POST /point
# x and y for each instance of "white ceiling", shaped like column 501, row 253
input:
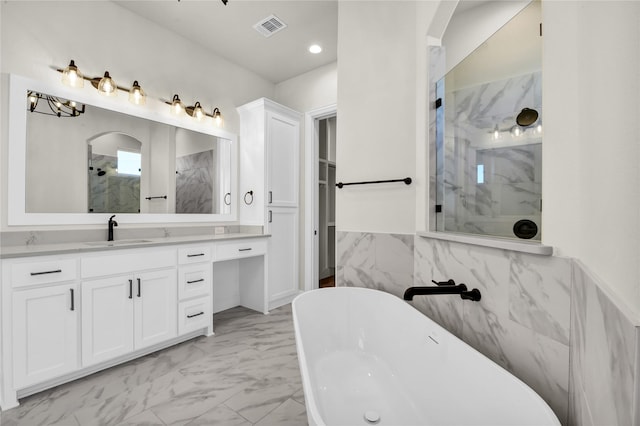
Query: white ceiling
column 228, row 31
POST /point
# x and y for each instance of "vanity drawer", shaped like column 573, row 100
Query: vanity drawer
column 194, row 281
column 43, row 272
column 194, row 254
column 194, row 315
column 240, row 249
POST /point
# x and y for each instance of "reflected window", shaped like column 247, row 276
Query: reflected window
column 129, row 163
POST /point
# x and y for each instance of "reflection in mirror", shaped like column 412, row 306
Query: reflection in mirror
column 489, row 138
column 201, row 171
column 114, row 173
column 135, row 165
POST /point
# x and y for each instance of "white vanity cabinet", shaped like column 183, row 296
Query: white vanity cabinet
column 45, row 319
column 132, row 310
column 269, row 164
column 194, row 289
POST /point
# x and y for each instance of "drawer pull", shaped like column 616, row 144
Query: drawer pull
column 73, row 302
column 245, row 249
column 130, row 289
column 195, row 255
column 195, row 281
column 139, row 288
column 57, row 271
column 195, row 315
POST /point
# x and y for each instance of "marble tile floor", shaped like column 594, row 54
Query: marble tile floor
column 247, row 374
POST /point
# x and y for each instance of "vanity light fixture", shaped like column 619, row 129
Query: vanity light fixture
column 137, row 95
column 177, row 107
column 71, row 76
column 217, row 117
column 56, row 106
column 196, row 111
column 106, row 85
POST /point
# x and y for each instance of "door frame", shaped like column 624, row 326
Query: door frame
column 311, row 217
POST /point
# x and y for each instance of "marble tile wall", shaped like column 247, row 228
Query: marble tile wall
column 543, row 318
column 511, row 187
column 194, row 183
column 604, row 353
column 111, row 192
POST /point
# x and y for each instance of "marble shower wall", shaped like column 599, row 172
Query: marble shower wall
column 112, row 192
column 543, row 318
column 488, row 203
column 194, row 183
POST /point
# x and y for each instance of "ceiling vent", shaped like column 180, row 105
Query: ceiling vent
column 270, row 25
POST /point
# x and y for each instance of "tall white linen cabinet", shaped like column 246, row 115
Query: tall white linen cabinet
column 269, row 186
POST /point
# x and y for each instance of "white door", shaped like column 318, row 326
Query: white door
column 45, row 333
column 156, row 307
column 107, row 318
column 283, row 135
column 283, row 252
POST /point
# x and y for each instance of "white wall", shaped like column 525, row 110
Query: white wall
column 311, row 90
column 99, row 36
column 377, row 115
column 591, row 155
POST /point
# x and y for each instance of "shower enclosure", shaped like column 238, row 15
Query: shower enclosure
column 489, row 139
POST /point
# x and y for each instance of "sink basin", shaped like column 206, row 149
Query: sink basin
column 116, row 243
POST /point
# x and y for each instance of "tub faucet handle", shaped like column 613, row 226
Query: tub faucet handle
column 448, row 282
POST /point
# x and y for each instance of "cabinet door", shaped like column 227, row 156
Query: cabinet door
column 283, row 138
column 107, row 318
column 45, row 333
column 283, row 253
column 156, row 307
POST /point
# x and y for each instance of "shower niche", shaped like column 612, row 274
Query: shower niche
column 489, row 135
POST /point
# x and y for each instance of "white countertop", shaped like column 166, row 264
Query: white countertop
column 90, row 246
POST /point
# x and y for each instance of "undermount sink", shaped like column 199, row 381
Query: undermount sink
column 116, row 243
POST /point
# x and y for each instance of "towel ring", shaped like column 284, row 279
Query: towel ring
column 248, row 195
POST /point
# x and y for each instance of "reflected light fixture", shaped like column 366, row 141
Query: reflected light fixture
column 106, row 85
column 56, row 106
column 137, row 95
column 71, row 76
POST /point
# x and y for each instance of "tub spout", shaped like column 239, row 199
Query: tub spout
column 460, row 289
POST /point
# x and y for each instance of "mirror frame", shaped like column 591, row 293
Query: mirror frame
column 154, row 110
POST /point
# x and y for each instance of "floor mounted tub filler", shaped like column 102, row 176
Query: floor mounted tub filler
column 367, row 357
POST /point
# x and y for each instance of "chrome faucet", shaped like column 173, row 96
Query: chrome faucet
column 112, row 223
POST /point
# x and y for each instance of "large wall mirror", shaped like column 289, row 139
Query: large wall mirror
column 98, row 158
column 489, row 135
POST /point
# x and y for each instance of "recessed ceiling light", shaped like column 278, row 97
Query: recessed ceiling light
column 314, row 48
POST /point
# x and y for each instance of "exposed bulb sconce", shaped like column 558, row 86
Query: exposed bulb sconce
column 196, row 111
column 177, row 107
column 71, row 76
column 106, row 85
column 56, row 106
column 137, row 95
column 217, row 117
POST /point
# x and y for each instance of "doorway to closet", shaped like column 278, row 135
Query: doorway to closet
column 327, row 201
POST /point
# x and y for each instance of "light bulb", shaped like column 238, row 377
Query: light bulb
column 137, row 95
column 71, row 76
column 539, row 128
column 177, row 107
column 198, row 113
column 516, row 131
column 107, row 86
column 217, row 117
column 496, row 133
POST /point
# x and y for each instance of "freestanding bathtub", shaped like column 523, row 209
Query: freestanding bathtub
column 367, row 357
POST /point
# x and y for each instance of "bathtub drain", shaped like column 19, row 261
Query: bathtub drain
column 372, row 417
